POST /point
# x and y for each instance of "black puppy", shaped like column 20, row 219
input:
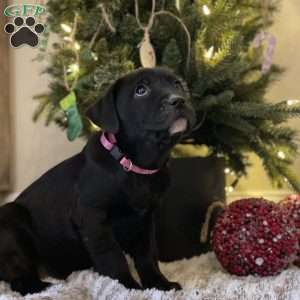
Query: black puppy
column 90, row 208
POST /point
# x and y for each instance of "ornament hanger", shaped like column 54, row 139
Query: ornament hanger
column 147, row 52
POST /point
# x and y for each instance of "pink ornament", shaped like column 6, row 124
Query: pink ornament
column 254, row 236
column 270, row 41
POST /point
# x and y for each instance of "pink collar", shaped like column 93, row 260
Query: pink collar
column 109, row 142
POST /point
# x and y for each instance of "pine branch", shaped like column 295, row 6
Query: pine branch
column 265, row 111
column 211, row 101
column 277, row 169
column 234, row 122
column 227, row 84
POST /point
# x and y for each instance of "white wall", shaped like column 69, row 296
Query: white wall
column 36, row 147
column 287, row 31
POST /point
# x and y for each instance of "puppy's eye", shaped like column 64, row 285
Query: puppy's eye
column 178, row 84
column 141, row 90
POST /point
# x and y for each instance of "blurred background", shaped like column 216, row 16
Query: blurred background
column 35, row 148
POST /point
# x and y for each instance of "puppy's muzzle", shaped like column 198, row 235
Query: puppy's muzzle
column 174, row 101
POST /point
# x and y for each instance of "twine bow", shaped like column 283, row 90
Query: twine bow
column 151, row 20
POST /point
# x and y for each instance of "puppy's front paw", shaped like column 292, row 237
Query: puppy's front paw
column 168, row 285
column 130, row 283
column 175, row 286
column 164, row 285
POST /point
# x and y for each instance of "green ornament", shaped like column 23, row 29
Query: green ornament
column 75, row 125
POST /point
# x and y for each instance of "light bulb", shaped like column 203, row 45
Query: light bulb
column 95, row 57
column 74, row 68
column 209, row 53
column 206, row 10
column 226, row 170
column 66, row 28
column 281, row 155
column 77, row 46
column 67, row 39
column 229, row 189
column 292, row 102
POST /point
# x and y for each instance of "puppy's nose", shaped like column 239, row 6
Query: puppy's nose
column 175, row 100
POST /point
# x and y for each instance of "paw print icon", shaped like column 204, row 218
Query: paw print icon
column 24, row 32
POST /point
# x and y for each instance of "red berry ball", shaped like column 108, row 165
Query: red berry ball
column 254, row 236
column 292, row 206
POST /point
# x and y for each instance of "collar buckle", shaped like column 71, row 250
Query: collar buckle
column 116, row 153
column 109, row 143
column 129, row 167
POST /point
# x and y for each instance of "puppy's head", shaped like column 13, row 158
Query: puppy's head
column 145, row 100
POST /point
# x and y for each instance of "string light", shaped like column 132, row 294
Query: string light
column 67, row 39
column 281, row 155
column 209, row 53
column 229, row 189
column 95, row 57
column 226, row 170
column 77, row 46
column 206, row 10
column 292, row 102
column 74, row 68
column 66, row 28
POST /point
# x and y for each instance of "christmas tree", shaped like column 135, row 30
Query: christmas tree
column 221, row 48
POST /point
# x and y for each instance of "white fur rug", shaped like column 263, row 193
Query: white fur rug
column 202, row 278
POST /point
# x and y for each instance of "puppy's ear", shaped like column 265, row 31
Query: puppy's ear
column 104, row 112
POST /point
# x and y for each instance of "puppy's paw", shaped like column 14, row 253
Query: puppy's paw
column 130, row 283
column 25, row 287
column 174, row 286
column 168, row 285
column 164, row 285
